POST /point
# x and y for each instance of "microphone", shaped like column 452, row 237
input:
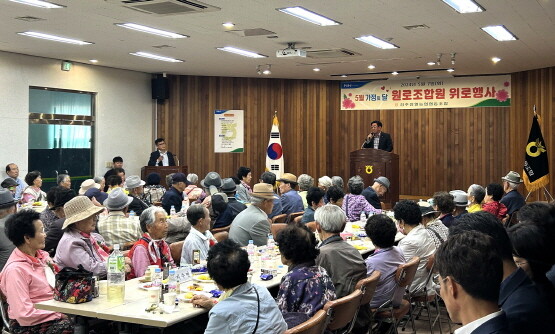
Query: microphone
column 176, row 159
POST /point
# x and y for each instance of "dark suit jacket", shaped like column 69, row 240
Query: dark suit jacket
column 172, row 197
column 372, row 197
column 385, row 143
column 513, row 200
column 526, row 309
column 497, row 325
column 137, row 205
column 156, row 154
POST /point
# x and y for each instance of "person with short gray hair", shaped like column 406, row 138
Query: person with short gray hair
column 342, row 261
column 305, row 182
column 63, row 180
column 476, row 194
column 376, row 190
column 337, row 181
column 512, row 199
column 354, row 203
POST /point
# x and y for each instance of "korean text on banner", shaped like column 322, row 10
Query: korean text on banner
column 228, row 131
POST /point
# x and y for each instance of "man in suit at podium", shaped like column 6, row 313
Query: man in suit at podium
column 161, row 157
column 378, row 139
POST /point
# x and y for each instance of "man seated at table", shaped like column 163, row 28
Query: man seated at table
column 244, row 307
column 117, row 228
column 376, row 190
column 270, row 178
column 55, row 232
column 199, row 239
column 290, row 200
column 342, row 261
column 174, row 196
column 151, row 249
column 233, row 208
column 470, row 273
column 315, row 199
column 252, row 223
column 386, row 259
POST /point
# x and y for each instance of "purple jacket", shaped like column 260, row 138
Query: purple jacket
column 74, row 249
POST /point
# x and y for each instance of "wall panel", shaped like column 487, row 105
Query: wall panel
column 440, row 149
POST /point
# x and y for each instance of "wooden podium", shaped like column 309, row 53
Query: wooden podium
column 371, row 163
column 163, row 171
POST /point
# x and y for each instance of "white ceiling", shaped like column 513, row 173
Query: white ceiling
column 532, row 21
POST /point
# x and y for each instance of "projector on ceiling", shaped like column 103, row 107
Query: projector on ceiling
column 290, row 53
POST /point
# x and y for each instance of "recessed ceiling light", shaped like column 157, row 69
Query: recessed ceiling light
column 371, row 67
column 500, row 33
column 155, row 57
column 464, row 6
column 316, row 69
column 53, row 38
column 431, row 63
column 242, row 52
column 93, row 61
column 495, row 59
column 38, row 3
column 450, row 70
column 395, row 73
column 343, row 75
column 149, row 30
column 228, row 25
column 307, row 15
column 374, row 41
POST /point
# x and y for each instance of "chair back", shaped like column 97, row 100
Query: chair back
column 275, row 228
column 315, row 325
column 405, row 273
column 175, row 249
column 368, row 286
column 341, row 311
column 279, row 219
column 297, row 219
column 220, row 229
column 294, row 215
column 311, row 226
column 221, row 236
column 4, row 312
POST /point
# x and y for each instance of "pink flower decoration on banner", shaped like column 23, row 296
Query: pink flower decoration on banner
column 502, row 95
column 506, row 84
column 350, row 94
column 348, row 104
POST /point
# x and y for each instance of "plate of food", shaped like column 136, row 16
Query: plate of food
column 204, row 278
column 146, row 285
column 188, row 296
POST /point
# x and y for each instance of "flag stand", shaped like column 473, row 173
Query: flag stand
column 545, row 193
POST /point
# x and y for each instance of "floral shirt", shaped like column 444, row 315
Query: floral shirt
column 305, row 289
column 353, row 205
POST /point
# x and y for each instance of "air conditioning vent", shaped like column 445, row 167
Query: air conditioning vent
column 252, row 32
column 331, row 53
column 30, row 18
column 416, row 26
column 167, row 7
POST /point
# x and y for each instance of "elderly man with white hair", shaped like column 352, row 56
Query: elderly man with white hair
column 512, row 199
column 305, row 182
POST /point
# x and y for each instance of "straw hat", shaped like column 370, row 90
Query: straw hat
column 263, row 190
column 79, row 208
column 289, row 178
column 88, row 184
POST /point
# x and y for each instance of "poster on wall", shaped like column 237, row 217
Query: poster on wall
column 228, row 131
column 463, row 92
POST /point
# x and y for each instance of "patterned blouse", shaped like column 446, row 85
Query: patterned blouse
column 306, row 288
column 353, row 205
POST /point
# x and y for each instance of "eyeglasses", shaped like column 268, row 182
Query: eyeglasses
column 437, row 287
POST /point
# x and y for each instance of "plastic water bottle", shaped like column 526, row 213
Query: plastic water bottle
column 132, row 214
column 250, row 248
column 157, row 278
column 116, row 276
column 172, row 281
column 270, row 245
column 172, row 211
column 363, row 217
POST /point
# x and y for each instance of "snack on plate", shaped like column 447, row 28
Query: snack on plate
column 188, row 295
column 204, row 277
column 194, row 287
column 37, row 204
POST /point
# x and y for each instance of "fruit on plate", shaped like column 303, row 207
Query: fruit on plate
column 37, row 203
column 188, row 295
column 194, row 287
column 204, row 277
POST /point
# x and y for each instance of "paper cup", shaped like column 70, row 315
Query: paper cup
column 154, row 295
column 103, row 287
column 169, row 298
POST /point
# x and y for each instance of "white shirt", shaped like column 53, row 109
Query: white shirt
column 165, row 160
column 196, row 241
column 418, row 242
column 471, row 326
column 377, row 140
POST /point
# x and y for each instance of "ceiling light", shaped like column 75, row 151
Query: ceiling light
column 93, row 61
column 374, row 41
column 500, row 33
column 431, row 63
column 316, row 69
column 53, row 38
column 156, row 57
column 242, row 52
column 371, row 67
column 453, row 54
column 343, row 75
column 38, row 3
column 149, row 30
column 464, row 6
column 450, row 70
column 228, row 25
column 495, row 59
column 309, row 16
column 268, row 70
column 438, row 60
column 395, row 73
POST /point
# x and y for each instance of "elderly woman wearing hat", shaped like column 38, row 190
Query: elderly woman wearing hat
column 88, row 184
column 291, row 201
column 151, row 249
column 33, row 193
column 28, row 278
column 135, row 185
column 79, row 244
column 354, row 203
column 153, row 191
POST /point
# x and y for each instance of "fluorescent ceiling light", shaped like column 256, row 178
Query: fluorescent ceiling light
column 228, row 25
column 150, row 30
column 242, row 52
column 500, row 33
column 93, row 60
column 38, row 3
column 156, row 57
column 395, row 73
column 305, row 14
column 53, row 38
column 464, row 6
column 374, row 41
column 495, row 59
column 316, row 69
column 371, row 67
column 450, row 70
column 431, row 63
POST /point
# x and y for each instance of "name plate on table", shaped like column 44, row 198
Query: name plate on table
column 184, row 273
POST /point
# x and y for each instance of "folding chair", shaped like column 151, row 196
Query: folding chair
column 342, row 311
column 315, row 325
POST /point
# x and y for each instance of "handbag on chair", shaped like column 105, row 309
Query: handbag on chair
column 74, row 286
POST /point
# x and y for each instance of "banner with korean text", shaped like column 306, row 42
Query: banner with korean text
column 228, row 131
column 463, row 92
